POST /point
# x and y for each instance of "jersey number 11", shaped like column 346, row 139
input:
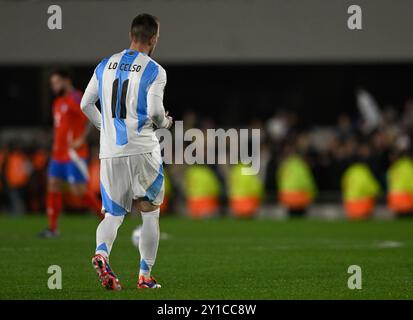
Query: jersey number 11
column 115, row 87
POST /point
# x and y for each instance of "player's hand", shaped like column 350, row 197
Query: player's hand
column 170, row 120
column 77, row 143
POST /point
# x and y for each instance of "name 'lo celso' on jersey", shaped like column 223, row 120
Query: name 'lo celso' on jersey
column 124, row 83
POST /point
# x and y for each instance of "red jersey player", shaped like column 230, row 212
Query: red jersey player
column 70, row 151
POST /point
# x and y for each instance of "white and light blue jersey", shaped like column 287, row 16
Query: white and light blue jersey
column 122, row 83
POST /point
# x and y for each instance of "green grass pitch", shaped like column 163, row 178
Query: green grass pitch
column 215, row 259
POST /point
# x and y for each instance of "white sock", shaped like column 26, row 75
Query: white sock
column 149, row 241
column 106, row 234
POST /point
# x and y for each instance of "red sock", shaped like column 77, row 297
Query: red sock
column 93, row 203
column 54, row 206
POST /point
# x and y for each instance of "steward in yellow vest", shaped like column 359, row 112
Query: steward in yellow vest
column 296, row 185
column 360, row 190
column 245, row 191
column 202, row 190
column 400, row 185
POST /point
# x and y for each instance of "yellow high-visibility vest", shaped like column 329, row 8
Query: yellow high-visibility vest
column 358, row 182
column 201, row 181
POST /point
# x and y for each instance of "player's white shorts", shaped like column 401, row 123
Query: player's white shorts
column 124, row 179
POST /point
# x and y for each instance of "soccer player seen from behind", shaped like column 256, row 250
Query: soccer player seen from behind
column 70, row 151
column 130, row 87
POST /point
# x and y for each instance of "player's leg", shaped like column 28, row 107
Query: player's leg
column 56, row 175
column 148, row 187
column 117, row 200
column 81, row 190
column 78, row 178
column 148, row 242
column 105, row 237
column 106, row 234
column 54, row 202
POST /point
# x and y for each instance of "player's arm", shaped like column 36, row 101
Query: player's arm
column 156, row 110
column 88, row 103
column 82, row 138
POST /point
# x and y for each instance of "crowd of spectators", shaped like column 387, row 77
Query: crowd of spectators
column 328, row 150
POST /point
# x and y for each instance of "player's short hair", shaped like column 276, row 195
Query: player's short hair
column 144, row 27
column 62, row 72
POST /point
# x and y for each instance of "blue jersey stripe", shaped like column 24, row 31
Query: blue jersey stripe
column 155, row 187
column 111, row 206
column 99, row 75
column 122, row 75
column 149, row 75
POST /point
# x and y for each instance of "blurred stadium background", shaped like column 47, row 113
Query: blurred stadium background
column 333, row 105
column 335, row 109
